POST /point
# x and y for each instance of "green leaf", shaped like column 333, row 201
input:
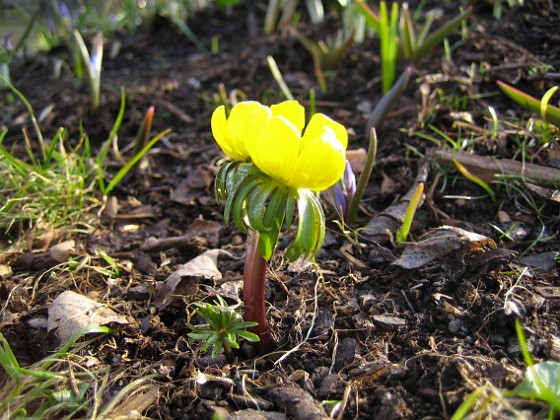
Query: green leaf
column 235, row 203
column 132, row 162
column 273, row 220
column 532, row 104
column 372, row 18
column 290, row 207
column 200, row 336
column 220, row 191
column 276, row 208
column 217, row 348
column 242, row 325
column 267, row 243
column 408, row 38
column 247, row 335
column 214, row 338
column 439, row 35
column 548, row 372
column 231, row 339
column 256, row 205
column 311, row 227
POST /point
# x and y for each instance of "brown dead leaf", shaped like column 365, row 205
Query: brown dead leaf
column 61, row 251
column 184, row 281
column 70, row 312
column 357, row 159
column 193, row 186
column 133, row 405
column 439, row 243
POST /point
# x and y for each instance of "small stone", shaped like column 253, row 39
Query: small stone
column 345, row 353
column 455, row 326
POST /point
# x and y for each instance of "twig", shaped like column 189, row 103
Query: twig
column 487, row 168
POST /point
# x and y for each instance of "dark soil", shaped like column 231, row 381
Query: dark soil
column 387, row 342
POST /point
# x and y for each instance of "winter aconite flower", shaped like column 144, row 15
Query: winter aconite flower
column 311, row 158
column 277, row 163
column 275, row 140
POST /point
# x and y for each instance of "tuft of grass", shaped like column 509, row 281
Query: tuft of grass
column 541, row 384
column 57, row 184
column 62, row 386
column 56, row 386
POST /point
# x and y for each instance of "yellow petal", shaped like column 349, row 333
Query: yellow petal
column 292, row 111
column 243, row 121
column 276, row 148
column 320, row 164
column 222, row 135
column 317, row 124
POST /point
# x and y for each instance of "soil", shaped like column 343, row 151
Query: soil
column 386, row 341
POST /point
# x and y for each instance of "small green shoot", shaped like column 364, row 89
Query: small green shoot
column 93, row 66
column 547, row 112
column 465, row 172
column 398, row 38
column 130, row 164
column 144, row 131
column 389, row 44
column 401, row 235
column 224, row 328
column 327, row 55
column 273, row 9
column 278, row 77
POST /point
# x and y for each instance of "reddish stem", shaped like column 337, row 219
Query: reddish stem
column 254, row 280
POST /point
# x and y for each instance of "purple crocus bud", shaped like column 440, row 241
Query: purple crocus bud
column 349, row 181
column 64, row 11
column 343, row 191
column 6, row 41
column 50, row 25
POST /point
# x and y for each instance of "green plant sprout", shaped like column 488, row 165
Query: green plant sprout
column 225, row 326
column 273, row 11
column 398, row 37
column 261, row 188
column 541, row 382
column 93, row 65
column 327, row 55
column 277, row 74
column 374, row 122
column 388, row 38
column 548, row 113
column 289, row 14
column 401, row 235
column 473, row 178
column 104, row 188
column 497, row 7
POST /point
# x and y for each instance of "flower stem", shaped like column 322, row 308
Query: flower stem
column 254, row 280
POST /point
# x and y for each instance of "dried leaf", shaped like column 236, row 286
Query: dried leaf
column 61, row 251
column 184, row 281
column 70, row 312
column 439, row 243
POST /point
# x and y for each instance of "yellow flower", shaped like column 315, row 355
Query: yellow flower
column 313, row 161
column 231, row 133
